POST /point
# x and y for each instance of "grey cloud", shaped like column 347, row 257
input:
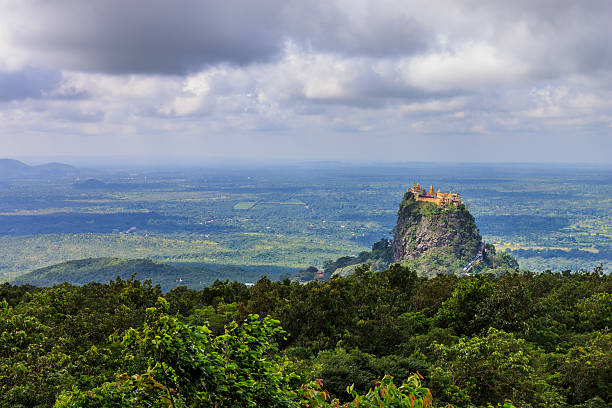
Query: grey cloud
column 28, row 82
column 559, row 36
column 115, row 36
column 178, row 37
column 313, row 71
column 72, row 115
column 372, row 29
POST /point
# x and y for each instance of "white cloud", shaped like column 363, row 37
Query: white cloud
column 470, row 66
column 312, row 74
column 436, row 105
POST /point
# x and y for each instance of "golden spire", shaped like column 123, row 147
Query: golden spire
column 431, row 190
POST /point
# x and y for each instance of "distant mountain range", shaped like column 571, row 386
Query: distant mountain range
column 10, row 168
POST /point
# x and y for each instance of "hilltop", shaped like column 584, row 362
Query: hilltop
column 435, row 233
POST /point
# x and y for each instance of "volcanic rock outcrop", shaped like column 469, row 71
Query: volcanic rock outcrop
column 435, row 237
column 435, row 233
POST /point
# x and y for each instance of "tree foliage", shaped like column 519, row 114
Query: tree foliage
column 526, row 339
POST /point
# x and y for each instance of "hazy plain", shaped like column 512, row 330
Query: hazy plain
column 294, row 215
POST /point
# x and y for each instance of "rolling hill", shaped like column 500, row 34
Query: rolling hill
column 83, row 271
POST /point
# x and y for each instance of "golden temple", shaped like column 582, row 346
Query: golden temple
column 440, row 198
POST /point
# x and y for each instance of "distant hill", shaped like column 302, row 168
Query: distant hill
column 55, row 168
column 10, row 168
column 13, row 168
column 83, row 271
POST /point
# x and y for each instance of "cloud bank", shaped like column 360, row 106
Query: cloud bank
column 398, row 80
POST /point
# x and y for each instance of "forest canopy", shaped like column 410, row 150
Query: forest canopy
column 530, row 340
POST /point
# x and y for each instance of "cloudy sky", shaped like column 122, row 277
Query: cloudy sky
column 491, row 81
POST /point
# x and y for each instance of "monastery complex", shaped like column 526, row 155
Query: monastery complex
column 438, row 197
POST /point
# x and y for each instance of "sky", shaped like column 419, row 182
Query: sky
column 355, row 80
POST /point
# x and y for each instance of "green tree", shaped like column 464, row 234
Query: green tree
column 32, row 366
column 491, row 369
column 595, row 312
column 508, row 306
column 180, row 365
column 587, row 369
column 460, row 311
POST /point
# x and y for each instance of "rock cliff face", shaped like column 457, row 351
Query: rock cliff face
column 434, row 238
